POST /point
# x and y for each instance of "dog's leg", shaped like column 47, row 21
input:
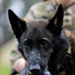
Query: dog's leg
column 24, row 71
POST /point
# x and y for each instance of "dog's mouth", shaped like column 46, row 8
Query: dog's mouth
column 35, row 70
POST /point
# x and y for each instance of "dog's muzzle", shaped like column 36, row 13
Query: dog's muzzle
column 34, row 63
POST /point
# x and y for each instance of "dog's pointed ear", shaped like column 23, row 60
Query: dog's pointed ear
column 18, row 25
column 56, row 23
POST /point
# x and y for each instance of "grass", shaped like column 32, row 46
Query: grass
column 4, row 70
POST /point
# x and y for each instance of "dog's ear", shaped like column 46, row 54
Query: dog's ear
column 56, row 23
column 18, row 25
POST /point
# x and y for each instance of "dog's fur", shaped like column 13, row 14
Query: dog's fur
column 42, row 43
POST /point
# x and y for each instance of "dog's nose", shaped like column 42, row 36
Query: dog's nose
column 34, row 69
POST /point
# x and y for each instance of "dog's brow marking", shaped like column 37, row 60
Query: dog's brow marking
column 45, row 39
column 25, row 39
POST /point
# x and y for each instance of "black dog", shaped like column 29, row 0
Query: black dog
column 41, row 42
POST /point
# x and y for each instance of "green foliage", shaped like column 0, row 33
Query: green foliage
column 4, row 70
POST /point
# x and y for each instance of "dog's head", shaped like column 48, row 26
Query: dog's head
column 39, row 40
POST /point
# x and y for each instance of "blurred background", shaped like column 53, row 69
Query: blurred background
column 7, row 40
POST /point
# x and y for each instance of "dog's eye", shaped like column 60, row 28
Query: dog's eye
column 27, row 43
column 44, row 43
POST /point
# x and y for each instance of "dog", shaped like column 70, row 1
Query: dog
column 43, row 43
